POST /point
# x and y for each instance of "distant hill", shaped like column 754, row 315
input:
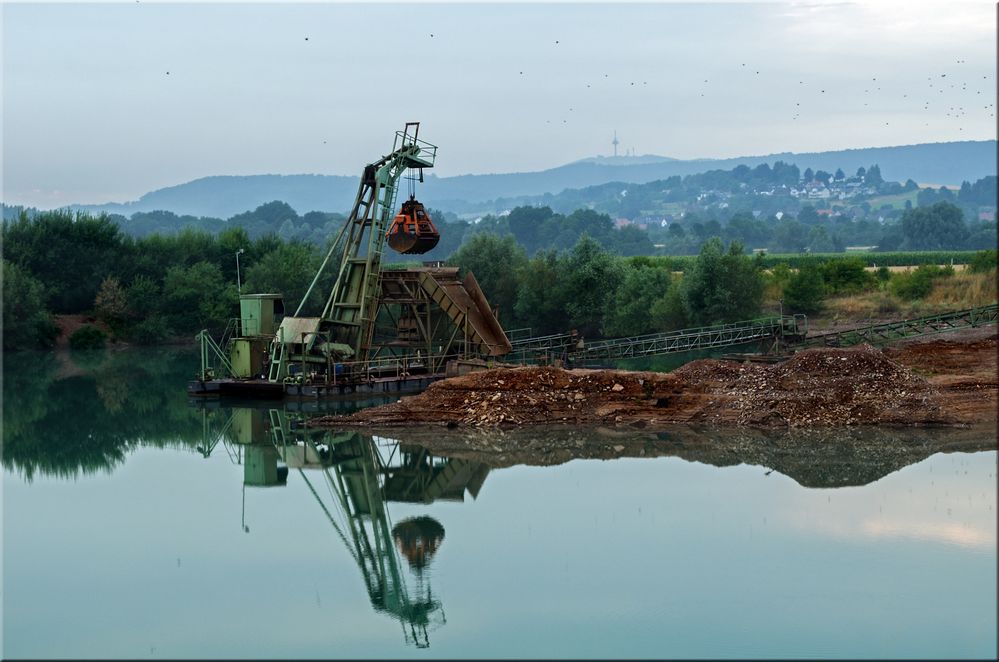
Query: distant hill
column 223, row 196
column 627, row 160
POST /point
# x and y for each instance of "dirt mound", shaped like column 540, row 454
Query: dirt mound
column 850, row 386
column 819, row 387
column 526, row 395
column 945, row 355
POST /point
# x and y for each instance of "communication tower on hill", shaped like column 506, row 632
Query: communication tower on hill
column 615, row 142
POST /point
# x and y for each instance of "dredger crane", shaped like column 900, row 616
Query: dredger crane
column 344, row 329
column 377, row 325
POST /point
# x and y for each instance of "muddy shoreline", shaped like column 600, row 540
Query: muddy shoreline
column 942, row 381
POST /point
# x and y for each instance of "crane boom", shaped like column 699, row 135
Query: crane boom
column 346, row 323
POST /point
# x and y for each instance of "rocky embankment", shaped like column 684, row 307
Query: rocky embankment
column 910, row 385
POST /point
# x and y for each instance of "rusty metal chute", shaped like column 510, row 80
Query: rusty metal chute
column 412, row 232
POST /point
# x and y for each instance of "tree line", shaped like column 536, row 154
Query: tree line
column 601, row 294
column 145, row 290
column 153, row 289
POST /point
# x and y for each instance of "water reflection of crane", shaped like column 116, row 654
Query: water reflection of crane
column 359, row 474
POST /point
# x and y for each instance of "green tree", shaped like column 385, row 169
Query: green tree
column 525, row 223
column 288, row 270
column 143, row 297
column 846, row 276
column 936, row 227
column 819, row 241
column 668, row 312
column 26, row 323
column 111, row 304
column 790, row 236
column 588, row 278
column 805, row 290
column 631, row 307
column 68, row 254
column 539, row 304
column 722, row 286
column 808, row 215
column 496, row 262
column 873, row 176
column 196, row 297
column 631, row 241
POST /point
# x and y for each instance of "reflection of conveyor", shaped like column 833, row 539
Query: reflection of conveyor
column 359, row 477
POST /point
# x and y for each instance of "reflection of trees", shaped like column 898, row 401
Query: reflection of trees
column 90, row 419
column 829, row 457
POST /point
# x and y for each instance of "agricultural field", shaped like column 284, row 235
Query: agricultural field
column 895, row 200
column 871, row 259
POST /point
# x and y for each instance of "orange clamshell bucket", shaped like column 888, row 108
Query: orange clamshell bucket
column 412, row 232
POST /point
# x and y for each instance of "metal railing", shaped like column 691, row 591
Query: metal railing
column 212, row 357
column 920, row 326
column 353, row 372
column 683, row 340
column 571, row 345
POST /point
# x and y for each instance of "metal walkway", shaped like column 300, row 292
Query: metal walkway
column 782, row 330
column 892, row 331
column 786, row 328
column 722, row 335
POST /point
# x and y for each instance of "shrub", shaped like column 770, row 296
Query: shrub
column 918, row 283
column 983, row 262
column 47, row 333
column 805, row 291
column 150, row 331
column 87, row 337
column 846, row 276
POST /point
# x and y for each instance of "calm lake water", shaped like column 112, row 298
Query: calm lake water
column 138, row 525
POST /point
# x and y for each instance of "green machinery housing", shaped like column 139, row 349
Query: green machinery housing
column 374, row 321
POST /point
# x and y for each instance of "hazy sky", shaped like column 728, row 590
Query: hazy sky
column 90, row 113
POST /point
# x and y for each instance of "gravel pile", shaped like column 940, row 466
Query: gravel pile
column 819, row 387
